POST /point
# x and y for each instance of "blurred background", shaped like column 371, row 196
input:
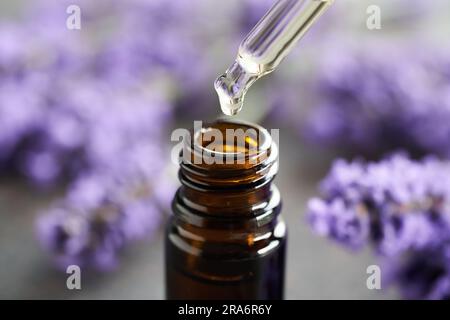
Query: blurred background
column 86, row 116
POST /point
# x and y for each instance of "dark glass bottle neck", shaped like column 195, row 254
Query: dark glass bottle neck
column 231, row 208
column 227, row 189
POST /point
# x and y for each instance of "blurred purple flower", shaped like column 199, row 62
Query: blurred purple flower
column 114, row 197
column 383, row 97
column 399, row 206
column 422, row 274
column 107, row 208
column 98, row 217
column 396, row 204
column 252, row 11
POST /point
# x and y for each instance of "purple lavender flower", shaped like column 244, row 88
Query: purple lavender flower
column 370, row 103
column 105, row 210
column 397, row 204
column 102, row 129
column 253, row 11
column 401, row 207
column 117, row 199
column 96, row 220
column 422, row 274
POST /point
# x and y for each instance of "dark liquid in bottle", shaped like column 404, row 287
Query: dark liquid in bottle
column 226, row 238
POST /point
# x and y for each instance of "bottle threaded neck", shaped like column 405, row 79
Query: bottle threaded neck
column 229, row 154
column 227, row 168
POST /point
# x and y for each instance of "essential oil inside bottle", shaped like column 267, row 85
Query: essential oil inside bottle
column 226, row 238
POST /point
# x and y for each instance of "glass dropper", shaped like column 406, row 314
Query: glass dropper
column 264, row 48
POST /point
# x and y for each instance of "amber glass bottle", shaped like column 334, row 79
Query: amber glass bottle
column 226, row 238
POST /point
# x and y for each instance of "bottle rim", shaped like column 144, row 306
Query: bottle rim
column 237, row 158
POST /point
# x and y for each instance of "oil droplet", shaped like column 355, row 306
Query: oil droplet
column 231, row 88
column 264, row 48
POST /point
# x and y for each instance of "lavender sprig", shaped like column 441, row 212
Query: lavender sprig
column 105, row 210
column 421, row 274
column 398, row 206
column 383, row 97
column 95, row 221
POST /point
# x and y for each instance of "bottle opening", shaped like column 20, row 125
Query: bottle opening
column 229, row 143
column 231, row 154
column 229, row 138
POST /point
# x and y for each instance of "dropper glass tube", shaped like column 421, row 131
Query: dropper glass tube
column 264, row 48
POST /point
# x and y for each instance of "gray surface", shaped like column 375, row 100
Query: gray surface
column 315, row 269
